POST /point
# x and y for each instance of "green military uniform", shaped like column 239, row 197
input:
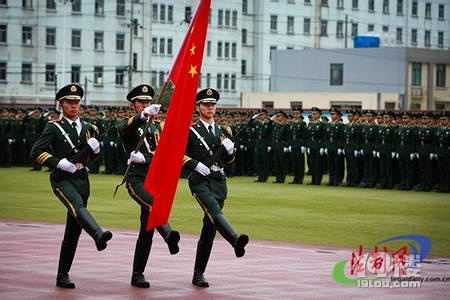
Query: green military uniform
column 386, row 148
column 442, row 154
column 368, row 139
column 71, row 188
column 280, row 148
column 263, row 130
column 130, row 131
column 406, row 149
column 297, row 140
column 109, row 143
column 210, row 190
column 352, row 136
column 315, row 150
column 333, row 135
column 426, row 138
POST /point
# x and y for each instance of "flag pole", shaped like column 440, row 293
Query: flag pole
column 141, row 138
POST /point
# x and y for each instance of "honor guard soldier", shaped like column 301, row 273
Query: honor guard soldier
column 263, row 130
column 57, row 148
column 280, row 146
column 369, row 134
column 297, row 131
column 208, row 182
column 387, row 133
column 442, row 152
column 335, row 147
column 315, row 150
column 130, row 130
column 406, row 151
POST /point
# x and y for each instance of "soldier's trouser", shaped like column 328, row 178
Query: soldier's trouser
column 279, row 163
column 317, row 170
column 444, row 172
column 352, row 167
column 367, row 178
column 385, row 178
column 262, row 162
column 406, row 171
column 298, row 164
column 332, row 166
column 136, row 190
column 425, row 171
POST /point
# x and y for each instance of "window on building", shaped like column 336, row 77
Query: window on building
column 307, row 26
column 336, row 74
column 227, row 18
column 162, row 46
column 385, row 6
column 427, row 38
column 75, row 73
column 290, row 25
column 441, row 11
column 162, row 13
column 233, row 50
column 120, row 41
column 227, row 50
column 76, row 38
column 26, row 72
column 371, row 5
column 355, row 4
column 389, row 105
column 99, row 7
column 208, row 48
column 296, row 105
column 220, row 17
column 340, row 4
column 51, row 5
column 399, row 35
column 226, row 79
column 323, row 27
column 385, row 28
column 155, row 12
column 50, row 36
column 3, row 71
column 219, row 49
column 98, row 75
column 273, row 22
column 135, row 27
column 219, row 81
column 244, row 7
column 413, row 37
column 354, row 29
column 27, row 35
column 272, row 48
column 154, row 45
column 440, row 75
column 27, row 3
column 120, row 74
column 267, row 104
column 324, row 3
column 440, row 40
column 400, row 7
column 244, row 36
column 76, row 6
column 340, row 29
column 428, row 10
column 414, row 8
column 307, row 2
column 161, row 78
column 98, row 40
column 370, row 27
column 154, row 79
column 234, row 18
column 416, row 74
column 3, row 2
column 120, row 8
column 169, row 46
column 208, row 79
column 170, row 13
column 233, row 82
column 243, row 67
column 50, row 73
column 3, row 33
column 187, row 14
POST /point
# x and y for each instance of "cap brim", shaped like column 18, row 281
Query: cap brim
column 148, row 98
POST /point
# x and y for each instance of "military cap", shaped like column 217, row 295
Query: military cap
column 443, row 116
column 282, row 113
column 406, row 114
column 316, row 110
column 141, row 92
column 388, row 113
column 428, row 115
column 370, row 113
column 297, row 110
column 335, row 110
column 263, row 112
column 207, row 96
column 350, row 112
column 93, row 107
column 71, row 92
column 83, row 106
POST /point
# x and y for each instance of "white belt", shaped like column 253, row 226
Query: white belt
column 216, row 168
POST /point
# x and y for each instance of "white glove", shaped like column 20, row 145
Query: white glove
column 66, row 166
column 202, row 169
column 378, row 154
column 245, row 148
column 241, row 147
column 396, row 155
column 321, row 151
column 361, row 152
column 150, row 111
column 436, row 157
column 272, row 118
column 431, row 156
column 111, row 144
column 393, row 154
column 285, row 149
column 417, row 155
column 302, row 149
column 374, row 153
column 343, row 151
column 101, row 143
column 255, row 116
column 339, row 151
column 269, row 148
column 355, row 153
column 229, row 145
column 136, row 158
column 326, row 151
column 290, row 149
column 94, row 144
column 308, row 150
column 411, row 156
column 10, row 141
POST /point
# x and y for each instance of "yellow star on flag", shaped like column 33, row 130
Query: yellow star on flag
column 193, row 71
column 193, row 49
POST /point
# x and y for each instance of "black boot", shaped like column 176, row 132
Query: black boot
column 171, row 237
column 65, row 262
column 88, row 223
column 141, row 254
column 227, row 231
column 201, row 260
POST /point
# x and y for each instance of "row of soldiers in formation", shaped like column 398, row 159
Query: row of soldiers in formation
column 370, row 150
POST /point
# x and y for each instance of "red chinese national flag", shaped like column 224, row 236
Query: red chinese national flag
column 163, row 174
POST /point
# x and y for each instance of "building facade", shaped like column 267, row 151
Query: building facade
column 47, row 43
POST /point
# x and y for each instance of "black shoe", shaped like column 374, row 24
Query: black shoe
column 172, row 242
column 100, row 240
column 241, row 241
column 63, row 281
column 139, row 281
column 199, row 280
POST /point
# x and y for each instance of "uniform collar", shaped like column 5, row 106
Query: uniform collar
column 207, row 125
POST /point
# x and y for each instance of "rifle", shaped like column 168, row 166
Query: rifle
column 81, row 151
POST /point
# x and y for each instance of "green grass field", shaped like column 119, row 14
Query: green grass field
column 322, row 215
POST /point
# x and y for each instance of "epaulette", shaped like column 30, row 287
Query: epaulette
column 227, row 128
column 55, row 121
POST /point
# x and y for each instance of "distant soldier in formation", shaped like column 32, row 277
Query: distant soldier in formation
column 297, row 132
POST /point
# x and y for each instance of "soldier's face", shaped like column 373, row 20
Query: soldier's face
column 315, row 116
column 334, row 117
column 296, row 115
column 70, row 108
column 139, row 105
column 207, row 110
